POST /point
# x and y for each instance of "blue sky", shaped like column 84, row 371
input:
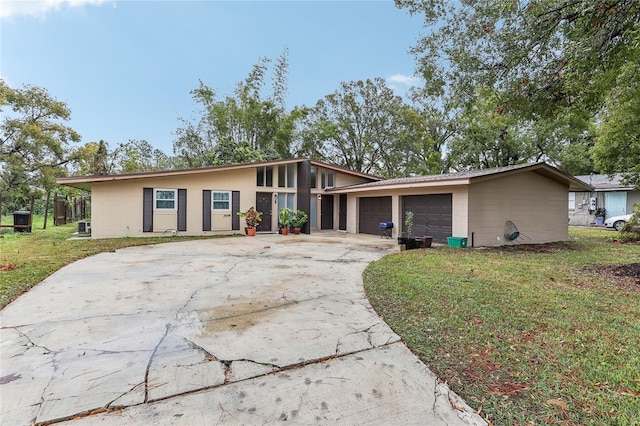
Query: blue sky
column 125, row 68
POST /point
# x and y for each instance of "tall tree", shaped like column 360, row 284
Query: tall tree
column 92, row 158
column 488, row 137
column 34, row 144
column 617, row 147
column 137, row 156
column 363, row 126
column 545, row 58
column 246, row 126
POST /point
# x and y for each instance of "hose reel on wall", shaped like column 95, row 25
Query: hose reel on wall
column 511, row 232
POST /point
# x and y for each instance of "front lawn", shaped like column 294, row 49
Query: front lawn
column 544, row 334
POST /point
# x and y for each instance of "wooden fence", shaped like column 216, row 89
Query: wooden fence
column 67, row 210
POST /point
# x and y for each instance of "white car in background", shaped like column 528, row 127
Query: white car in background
column 617, row 222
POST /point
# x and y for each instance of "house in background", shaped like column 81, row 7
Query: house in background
column 608, row 193
column 205, row 201
column 476, row 205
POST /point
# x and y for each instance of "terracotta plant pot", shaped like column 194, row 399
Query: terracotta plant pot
column 285, row 231
column 251, row 232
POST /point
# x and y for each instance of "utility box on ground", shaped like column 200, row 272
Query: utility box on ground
column 21, row 221
column 458, row 242
column 84, row 227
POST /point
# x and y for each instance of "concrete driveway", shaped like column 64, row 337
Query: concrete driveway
column 222, row 331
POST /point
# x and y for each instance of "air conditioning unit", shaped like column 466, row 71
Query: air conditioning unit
column 84, row 227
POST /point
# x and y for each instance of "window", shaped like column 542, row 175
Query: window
column 221, row 200
column 328, row 179
column 286, row 200
column 332, row 179
column 572, row 201
column 165, row 199
column 264, row 176
column 314, row 177
column 287, row 176
column 291, row 175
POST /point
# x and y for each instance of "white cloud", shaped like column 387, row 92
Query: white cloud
column 400, row 83
column 39, row 8
column 407, row 80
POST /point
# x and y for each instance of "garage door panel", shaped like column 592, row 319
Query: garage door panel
column 432, row 214
column 372, row 211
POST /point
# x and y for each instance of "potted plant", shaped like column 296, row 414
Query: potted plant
column 252, row 217
column 298, row 220
column 409, row 241
column 286, row 216
column 426, row 239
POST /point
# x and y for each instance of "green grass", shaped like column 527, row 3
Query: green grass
column 526, row 335
column 38, row 254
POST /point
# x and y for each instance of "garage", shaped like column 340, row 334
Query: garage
column 431, row 215
column 372, row 211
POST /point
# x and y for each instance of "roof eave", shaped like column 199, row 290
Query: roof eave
column 392, row 186
column 86, row 181
column 545, row 170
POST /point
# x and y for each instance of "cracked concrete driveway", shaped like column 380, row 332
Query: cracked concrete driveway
column 221, row 331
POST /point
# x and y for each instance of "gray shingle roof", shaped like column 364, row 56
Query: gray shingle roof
column 445, row 176
column 604, row 182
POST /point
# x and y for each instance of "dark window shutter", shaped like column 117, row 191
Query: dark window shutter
column 182, row 209
column 235, row 208
column 206, row 210
column 147, row 210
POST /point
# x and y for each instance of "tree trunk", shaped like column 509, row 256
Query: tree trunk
column 46, row 209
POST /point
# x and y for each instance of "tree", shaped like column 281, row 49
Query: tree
column 365, row 127
column 488, row 137
column 93, row 158
column 543, row 58
column 617, row 147
column 419, row 146
column 137, row 156
column 193, row 147
column 33, row 143
column 246, row 126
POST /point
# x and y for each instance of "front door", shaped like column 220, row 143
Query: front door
column 326, row 212
column 342, row 214
column 263, row 205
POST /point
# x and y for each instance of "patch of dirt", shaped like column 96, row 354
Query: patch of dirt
column 536, row 248
column 7, row 266
column 624, row 276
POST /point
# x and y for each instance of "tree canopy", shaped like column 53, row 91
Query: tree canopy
column 554, row 66
column 365, row 127
column 34, row 142
column 245, row 126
